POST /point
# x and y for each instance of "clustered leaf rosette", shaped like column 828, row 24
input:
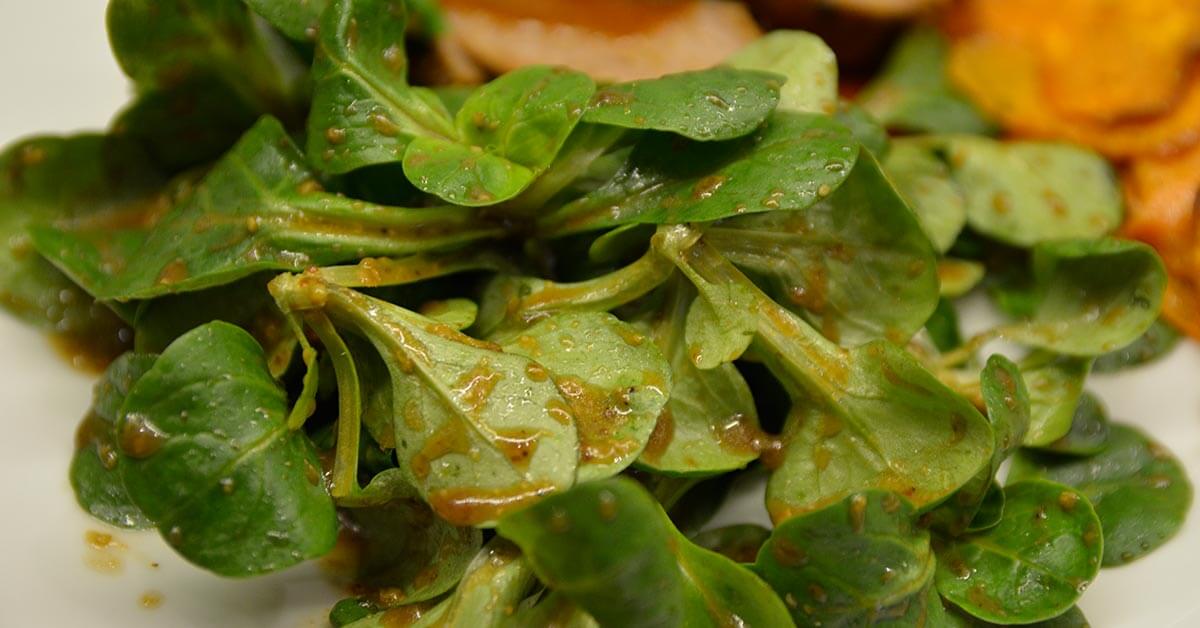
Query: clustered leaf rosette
column 519, row 343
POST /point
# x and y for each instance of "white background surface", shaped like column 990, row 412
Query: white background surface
column 56, row 75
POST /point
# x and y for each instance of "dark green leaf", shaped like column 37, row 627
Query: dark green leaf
column 187, row 125
column 66, row 181
column 363, row 110
column 208, row 457
column 913, row 93
column 1008, row 410
column 790, row 163
column 95, row 475
column 1156, row 343
column 508, row 132
column 478, row 431
column 610, row 548
column 710, row 423
column 614, row 379
column 258, row 209
column 1033, row 565
column 705, row 105
column 865, row 128
column 161, row 45
column 736, row 542
column 1089, row 429
column 858, row 562
column 1141, row 492
column 404, row 546
column 298, row 19
column 855, row 265
column 804, row 60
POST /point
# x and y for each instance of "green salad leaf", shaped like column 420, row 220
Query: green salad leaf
column 1140, row 491
column 609, row 548
column 207, row 455
column 804, row 59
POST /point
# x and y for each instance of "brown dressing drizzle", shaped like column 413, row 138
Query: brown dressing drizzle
column 473, row 506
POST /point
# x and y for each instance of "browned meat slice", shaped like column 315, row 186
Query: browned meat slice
column 613, row 40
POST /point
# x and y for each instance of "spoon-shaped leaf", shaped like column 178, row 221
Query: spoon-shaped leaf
column 1055, row 385
column 710, row 423
column 714, row 104
column 258, row 209
column 804, row 59
column 1089, row 429
column 786, row 164
column 856, row 265
column 207, row 455
column 508, row 132
column 1140, row 491
column 614, row 379
column 364, row 111
column 1033, row 565
column 610, row 548
column 1023, row 193
column 860, row 561
column 478, row 430
column 95, row 475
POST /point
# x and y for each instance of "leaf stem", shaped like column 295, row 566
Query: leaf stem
column 349, row 428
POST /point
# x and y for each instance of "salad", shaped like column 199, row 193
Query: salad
column 508, row 346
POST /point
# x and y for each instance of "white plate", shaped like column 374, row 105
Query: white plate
column 58, row 76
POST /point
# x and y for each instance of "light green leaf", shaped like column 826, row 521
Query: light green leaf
column 804, row 60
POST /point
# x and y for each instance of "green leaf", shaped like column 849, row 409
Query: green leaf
column 804, row 60
column 913, row 93
column 1089, row 429
column 1140, row 491
column 858, row 562
column 924, row 181
column 258, row 209
column 1025, row 193
column 165, row 44
column 1153, row 345
column 704, row 105
column 710, row 424
column 790, row 163
column 402, row 545
column 1055, row 384
column 1008, row 410
column 186, row 125
column 610, row 548
column 614, row 379
column 363, row 110
column 862, row 418
column 856, row 265
column 739, row 542
column 207, row 456
column 553, row 609
column 66, row 181
column 1094, row 296
column 508, row 132
column 95, row 475
column 1031, row 566
column 479, row 431
column 494, row 584
column 298, row 19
